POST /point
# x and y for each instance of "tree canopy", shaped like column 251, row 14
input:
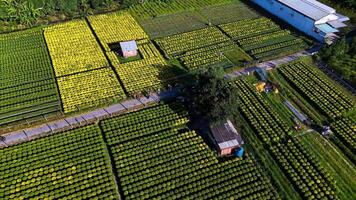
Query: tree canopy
column 211, row 95
column 341, row 57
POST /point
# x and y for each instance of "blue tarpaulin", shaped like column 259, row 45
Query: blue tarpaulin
column 239, row 152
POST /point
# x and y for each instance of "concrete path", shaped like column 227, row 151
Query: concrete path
column 268, row 65
column 24, row 135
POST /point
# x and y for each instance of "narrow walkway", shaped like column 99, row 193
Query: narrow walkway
column 268, row 65
column 336, row 77
column 29, row 134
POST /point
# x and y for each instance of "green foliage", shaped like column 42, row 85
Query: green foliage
column 212, row 95
column 157, row 157
column 341, row 57
column 318, row 89
column 27, row 85
column 72, row 165
column 21, row 11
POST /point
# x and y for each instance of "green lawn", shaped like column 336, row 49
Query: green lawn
column 276, row 101
column 237, row 56
column 340, row 168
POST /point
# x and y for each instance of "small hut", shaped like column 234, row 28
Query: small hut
column 129, row 49
column 226, row 138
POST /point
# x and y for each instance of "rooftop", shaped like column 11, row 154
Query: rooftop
column 128, row 46
column 310, row 8
column 226, row 135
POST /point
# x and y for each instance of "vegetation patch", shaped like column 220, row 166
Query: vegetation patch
column 172, row 24
column 157, row 156
column 73, row 164
column 28, row 90
column 227, row 13
column 262, row 38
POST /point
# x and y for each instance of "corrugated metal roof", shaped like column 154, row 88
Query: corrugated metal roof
column 229, row 144
column 342, row 18
column 225, row 133
column 309, row 8
column 325, row 28
column 296, row 112
column 322, row 6
column 337, row 24
column 128, row 46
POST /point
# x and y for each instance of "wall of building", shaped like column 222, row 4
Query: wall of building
column 127, row 54
column 292, row 17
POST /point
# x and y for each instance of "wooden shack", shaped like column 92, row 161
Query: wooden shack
column 226, row 138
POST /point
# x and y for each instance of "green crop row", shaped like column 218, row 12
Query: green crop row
column 27, row 80
column 158, row 157
column 70, row 165
column 300, row 167
column 329, row 99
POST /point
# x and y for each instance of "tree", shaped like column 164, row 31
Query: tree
column 211, row 95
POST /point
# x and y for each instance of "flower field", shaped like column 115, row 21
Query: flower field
column 262, row 38
column 320, row 91
column 345, row 129
column 157, row 157
column 73, row 48
column 149, row 74
column 269, row 126
column 305, row 172
column 70, row 165
column 89, row 89
column 84, row 77
column 300, row 167
column 156, row 8
column 27, row 86
column 198, row 48
column 116, row 27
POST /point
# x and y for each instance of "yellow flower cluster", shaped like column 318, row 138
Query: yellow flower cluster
column 116, row 27
column 73, row 48
column 150, row 73
column 89, row 89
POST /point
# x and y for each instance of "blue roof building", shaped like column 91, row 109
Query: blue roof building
column 309, row 16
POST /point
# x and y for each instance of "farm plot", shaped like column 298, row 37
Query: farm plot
column 301, row 168
column 116, row 27
column 198, row 48
column 304, row 170
column 264, row 119
column 345, row 129
column 70, row 165
column 89, row 89
column 157, row 157
column 151, row 71
column 227, row 13
column 172, row 24
column 155, row 8
column 317, row 88
column 339, row 167
column 73, row 48
column 27, row 86
column 262, row 38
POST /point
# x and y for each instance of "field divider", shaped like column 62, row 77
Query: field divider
column 83, row 119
